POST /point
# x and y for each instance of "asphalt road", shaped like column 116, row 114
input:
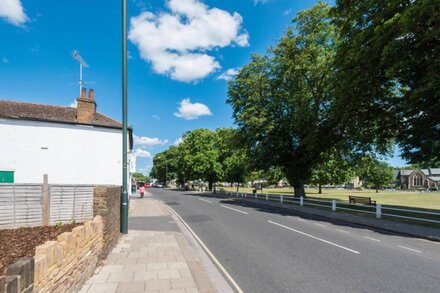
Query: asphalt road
column 265, row 250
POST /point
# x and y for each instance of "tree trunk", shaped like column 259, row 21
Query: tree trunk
column 299, row 190
column 210, row 184
column 377, row 189
column 320, row 189
column 238, row 185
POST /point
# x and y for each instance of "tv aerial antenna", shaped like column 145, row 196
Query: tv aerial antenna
column 82, row 63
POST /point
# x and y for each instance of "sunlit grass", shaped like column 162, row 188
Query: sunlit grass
column 427, row 200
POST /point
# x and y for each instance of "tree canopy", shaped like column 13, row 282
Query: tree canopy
column 284, row 102
column 388, row 61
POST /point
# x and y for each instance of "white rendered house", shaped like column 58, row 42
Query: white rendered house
column 70, row 145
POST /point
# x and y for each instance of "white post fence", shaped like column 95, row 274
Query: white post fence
column 281, row 198
column 301, row 201
column 378, row 211
column 334, row 205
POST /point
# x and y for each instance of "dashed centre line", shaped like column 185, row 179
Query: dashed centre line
column 205, row 200
column 320, row 225
column 316, row 238
column 226, row 207
column 410, row 249
column 343, row 231
column 371, row 238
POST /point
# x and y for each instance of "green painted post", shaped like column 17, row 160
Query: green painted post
column 124, row 199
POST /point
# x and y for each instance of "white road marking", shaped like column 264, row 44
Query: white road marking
column 407, row 248
column 226, row 207
column 314, row 237
column 371, row 238
column 302, row 220
column 205, row 200
column 320, row 225
column 211, row 255
column 343, row 231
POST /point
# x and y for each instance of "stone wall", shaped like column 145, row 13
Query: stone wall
column 107, row 203
column 19, row 277
column 65, row 265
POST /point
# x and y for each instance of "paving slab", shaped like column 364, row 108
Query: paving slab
column 154, row 256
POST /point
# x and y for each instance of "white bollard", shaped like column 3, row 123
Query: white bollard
column 281, row 198
column 267, row 197
column 301, row 201
column 378, row 211
column 245, row 195
column 256, row 196
column 334, row 205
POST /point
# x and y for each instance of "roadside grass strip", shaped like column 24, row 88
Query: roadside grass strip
column 314, row 237
column 226, row 207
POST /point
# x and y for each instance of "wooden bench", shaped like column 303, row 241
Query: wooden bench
column 361, row 199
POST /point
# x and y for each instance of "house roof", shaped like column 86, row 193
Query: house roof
column 406, row 172
column 48, row 113
column 435, row 171
column 434, row 178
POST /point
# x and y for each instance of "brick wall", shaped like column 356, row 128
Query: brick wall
column 107, row 203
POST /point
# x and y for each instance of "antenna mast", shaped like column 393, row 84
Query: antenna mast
column 82, row 63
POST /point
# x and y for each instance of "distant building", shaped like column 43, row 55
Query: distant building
column 418, row 178
column 72, row 145
column 354, row 183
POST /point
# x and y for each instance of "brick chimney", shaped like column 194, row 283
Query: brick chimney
column 86, row 107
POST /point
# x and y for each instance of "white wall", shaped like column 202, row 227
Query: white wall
column 75, row 154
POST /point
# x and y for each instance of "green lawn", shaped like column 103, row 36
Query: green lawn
column 425, row 200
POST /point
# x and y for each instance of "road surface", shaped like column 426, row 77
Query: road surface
column 266, row 250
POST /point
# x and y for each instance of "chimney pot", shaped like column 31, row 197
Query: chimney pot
column 83, row 92
column 91, row 94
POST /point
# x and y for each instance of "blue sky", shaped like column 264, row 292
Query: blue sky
column 179, row 52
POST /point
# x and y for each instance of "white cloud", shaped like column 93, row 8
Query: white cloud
column 142, row 153
column 228, row 74
column 148, row 141
column 178, row 141
column 13, row 12
column 73, row 104
column 256, row 2
column 191, row 111
column 176, row 43
column 287, row 12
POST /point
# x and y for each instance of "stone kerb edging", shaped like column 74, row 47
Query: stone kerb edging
column 63, row 265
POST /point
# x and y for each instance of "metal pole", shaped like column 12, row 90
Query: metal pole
column 124, row 199
column 80, row 78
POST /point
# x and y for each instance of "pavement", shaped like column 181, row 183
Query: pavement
column 266, row 249
column 157, row 255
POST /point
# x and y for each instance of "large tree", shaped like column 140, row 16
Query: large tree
column 198, row 156
column 375, row 173
column 232, row 155
column 335, row 169
column 389, row 63
column 283, row 102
